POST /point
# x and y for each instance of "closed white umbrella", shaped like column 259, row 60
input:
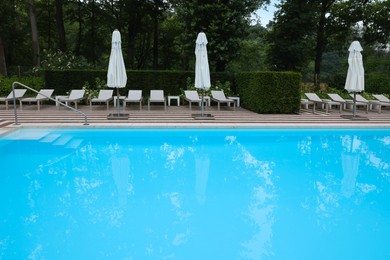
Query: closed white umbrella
column 355, row 76
column 202, row 71
column 116, row 75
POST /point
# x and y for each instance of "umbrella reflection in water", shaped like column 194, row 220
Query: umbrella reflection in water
column 350, row 164
column 202, row 167
column 120, row 164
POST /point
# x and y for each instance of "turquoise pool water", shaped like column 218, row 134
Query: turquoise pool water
column 195, row 194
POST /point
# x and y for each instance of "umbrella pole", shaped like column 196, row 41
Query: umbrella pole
column 118, row 100
column 202, row 102
column 354, row 104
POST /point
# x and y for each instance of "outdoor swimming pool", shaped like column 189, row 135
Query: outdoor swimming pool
column 195, row 194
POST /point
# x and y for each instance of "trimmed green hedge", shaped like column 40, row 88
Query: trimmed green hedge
column 269, row 92
column 261, row 92
column 169, row 81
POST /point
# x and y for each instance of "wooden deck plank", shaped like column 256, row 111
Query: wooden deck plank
column 49, row 114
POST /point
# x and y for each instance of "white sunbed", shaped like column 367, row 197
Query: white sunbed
column 105, row 96
column 370, row 103
column 346, row 102
column 191, row 96
column 219, row 97
column 381, row 98
column 313, row 97
column 134, row 96
column 19, row 93
column 306, row 103
column 75, row 96
column 383, row 101
column 43, row 95
column 157, row 96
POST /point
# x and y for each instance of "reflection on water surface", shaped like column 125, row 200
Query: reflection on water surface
column 195, row 194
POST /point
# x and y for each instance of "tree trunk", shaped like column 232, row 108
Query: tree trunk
column 94, row 55
column 60, row 26
column 155, row 43
column 320, row 46
column 48, row 8
column 3, row 65
column 321, row 41
column 80, row 29
column 34, row 33
column 131, row 45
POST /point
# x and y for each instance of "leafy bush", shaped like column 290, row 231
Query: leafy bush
column 57, row 60
column 226, row 87
column 31, row 81
column 93, row 91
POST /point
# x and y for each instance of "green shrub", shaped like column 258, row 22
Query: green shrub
column 31, row 81
column 226, row 87
column 93, row 91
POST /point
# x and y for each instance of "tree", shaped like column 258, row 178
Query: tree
column 3, row 66
column 321, row 39
column 291, row 36
column 224, row 22
column 60, row 26
column 252, row 53
column 301, row 24
column 34, row 33
column 377, row 23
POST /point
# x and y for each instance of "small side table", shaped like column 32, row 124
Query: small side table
column 120, row 98
column 236, row 99
column 177, row 98
column 207, row 100
column 58, row 98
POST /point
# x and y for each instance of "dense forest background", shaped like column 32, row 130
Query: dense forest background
column 311, row 37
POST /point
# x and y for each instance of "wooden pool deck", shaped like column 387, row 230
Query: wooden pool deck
column 181, row 116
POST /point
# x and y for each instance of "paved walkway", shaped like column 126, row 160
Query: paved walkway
column 174, row 116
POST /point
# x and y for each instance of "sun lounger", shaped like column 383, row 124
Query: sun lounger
column 105, row 96
column 306, row 103
column 346, row 102
column 313, row 97
column 134, row 96
column 219, row 97
column 157, row 96
column 370, row 103
column 75, row 96
column 382, row 98
column 19, row 93
column 43, row 95
column 191, row 96
column 383, row 101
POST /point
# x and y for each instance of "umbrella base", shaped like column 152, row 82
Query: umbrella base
column 355, row 117
column 117, row 116
column 203, row 116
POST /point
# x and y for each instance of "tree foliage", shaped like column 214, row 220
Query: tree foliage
column 309, row 36
column 304, row 30
column 224, row 22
